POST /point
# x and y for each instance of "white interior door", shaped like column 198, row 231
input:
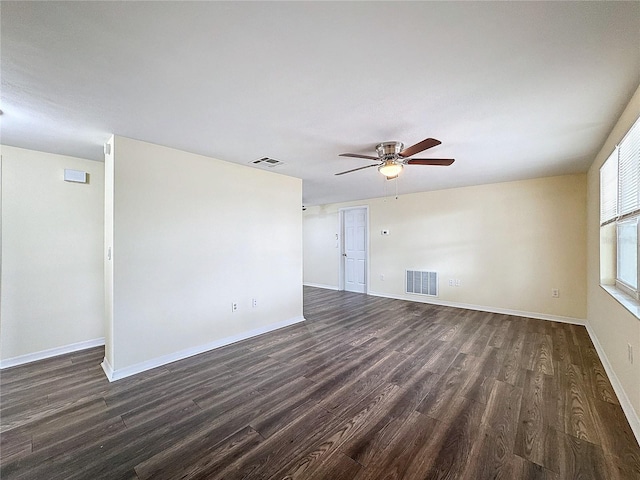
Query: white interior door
column 355, row 249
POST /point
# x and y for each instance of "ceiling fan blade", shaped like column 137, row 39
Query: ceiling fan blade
column 445, row 162
column 420, row 147
column 357, row 155
column 356, row 169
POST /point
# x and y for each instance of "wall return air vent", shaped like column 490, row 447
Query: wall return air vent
column 422, row 282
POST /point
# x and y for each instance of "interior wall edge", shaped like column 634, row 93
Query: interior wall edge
column 121, row 373
column 51, row 352
column 627, row 407
column 107, row 368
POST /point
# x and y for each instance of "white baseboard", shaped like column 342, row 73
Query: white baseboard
column 484, row 308
column 52, row 352
column 320, row 285
column 625, row 403
column 114, row 375
column 107, row 368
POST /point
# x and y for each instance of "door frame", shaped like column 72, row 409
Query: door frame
column 341, row 212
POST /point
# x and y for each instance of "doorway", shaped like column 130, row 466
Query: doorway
column 355, row 239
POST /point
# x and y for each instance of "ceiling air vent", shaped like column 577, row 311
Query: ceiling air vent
column 266, row 161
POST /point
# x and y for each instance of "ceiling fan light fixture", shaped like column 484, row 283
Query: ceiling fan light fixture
column 390, row 169
column 392, row 157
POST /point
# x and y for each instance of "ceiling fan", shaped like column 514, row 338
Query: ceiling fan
column 392, row 157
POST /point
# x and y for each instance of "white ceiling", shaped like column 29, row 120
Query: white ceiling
column 514, row 90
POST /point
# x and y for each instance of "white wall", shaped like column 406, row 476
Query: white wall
column 321, row 246
column 509, row 244
column 612, row 325
column 52, row 235
column 191, row 235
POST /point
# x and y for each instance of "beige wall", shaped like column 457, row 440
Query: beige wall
column 321, row 246
column 191, row 235
column 614, row 326
column 52, row 235
column 509, row 244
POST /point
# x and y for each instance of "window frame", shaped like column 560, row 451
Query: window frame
column 619, row 175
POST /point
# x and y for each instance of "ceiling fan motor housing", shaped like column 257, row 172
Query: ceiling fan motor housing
column 389, row 150
column 393, row 157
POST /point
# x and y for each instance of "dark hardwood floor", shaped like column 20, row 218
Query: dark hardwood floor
column 367, row 388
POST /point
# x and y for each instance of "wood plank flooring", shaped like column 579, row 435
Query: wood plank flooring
column 366, row 388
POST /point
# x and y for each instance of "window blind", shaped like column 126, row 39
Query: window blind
column 629, row 172
column 609, row 189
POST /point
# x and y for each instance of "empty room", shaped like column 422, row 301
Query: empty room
column 204, row 274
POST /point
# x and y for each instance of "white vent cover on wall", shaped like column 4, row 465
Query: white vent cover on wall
column 422, row 283
column 76, row 176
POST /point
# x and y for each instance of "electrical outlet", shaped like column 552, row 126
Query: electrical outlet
column 555, row 293
column 458, row 282
column 234, row 307
column 451, row 282
column 254, row 303
column 382, row 277
column 630, row 352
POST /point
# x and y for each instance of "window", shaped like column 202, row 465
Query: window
column 620, row 208
column 627, row 243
